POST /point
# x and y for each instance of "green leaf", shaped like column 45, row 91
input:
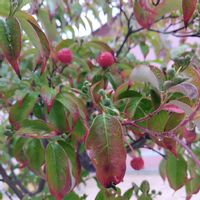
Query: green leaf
column 57, row 117
column 158, row 121
column 79, row 129
column 139, row 107
column 49, row 26
column 144, row 48
column 145, row 197
column 4, row 8
column 129, row 193
column 73, row 158
column 162, row 169
column 48, row 95
column 176, row 170
column 155, row 97
column 45, row 52
column 18, row 151
column 35, row 154
column 65, row 44
column 193, row 186
column 58, row 171
column 21, row 111
column 31, row 33
column 106, row 149
column 72, row 196
column 10, row 42
column 174, row 120
column 99, row 45
column 73, row 104
column 37, row 129
column 125, row 91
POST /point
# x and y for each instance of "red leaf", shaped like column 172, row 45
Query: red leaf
column 190, row 136
column 106, row 149
column 144, row 14
column 188, row 7
column 173, row 108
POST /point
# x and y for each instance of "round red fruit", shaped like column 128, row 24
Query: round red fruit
column 137, row 163
column 106, row 59
column 65, row 56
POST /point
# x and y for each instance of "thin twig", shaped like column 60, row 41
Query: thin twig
column 187, row 148
column 10, row 183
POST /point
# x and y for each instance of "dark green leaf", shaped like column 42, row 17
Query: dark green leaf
column 35, row 154
column 176, row 170
column 21, row 111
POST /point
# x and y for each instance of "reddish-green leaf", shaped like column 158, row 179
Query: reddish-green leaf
column 21, row 111
column 72, row 104
column 144, row 16
column 193, row 186
column 35, row 155
column 37, row 129
column 58, row 171
column 74, row 161
column 48, row 95
column 176, row 170
column 45, row 48
column 10, row 42
column 106, row 149
column 146, row 13
column 95, row 96
column 188, row 7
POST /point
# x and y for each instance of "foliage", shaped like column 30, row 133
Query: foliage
column 72, row 104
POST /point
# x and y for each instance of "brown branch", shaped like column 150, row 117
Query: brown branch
column 10, row 183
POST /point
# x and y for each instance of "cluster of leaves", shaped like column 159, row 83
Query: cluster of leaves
column 57, row 111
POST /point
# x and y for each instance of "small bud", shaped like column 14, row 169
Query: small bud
column 153, row 192
column 107, row 102
column 102, row 92
column 8, row 133
column 171, row 72
column 145, row 187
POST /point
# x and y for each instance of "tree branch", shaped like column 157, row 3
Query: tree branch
column 10, row 183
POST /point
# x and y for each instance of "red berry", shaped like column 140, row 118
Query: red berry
column 137, row 163
column 65, row 56
column 105, row 59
